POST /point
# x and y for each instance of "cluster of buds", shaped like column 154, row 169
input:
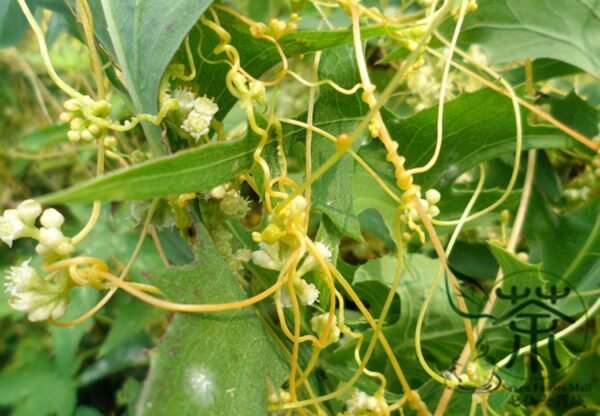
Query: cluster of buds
column 279, row 398
column 231, row 202
column 362, row 404
column 276, row 243
column 411, row 37
column 318, row 324
column 586, row 184
column 471, row 7
column 235, row 259
column 276, row 28
column 42, row 299
column 80, row 114
column 249, row 91
column 432, row 197
column 196, row 112
column 20, row 223
column 424, row 81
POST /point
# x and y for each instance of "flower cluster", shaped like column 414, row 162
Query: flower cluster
column 231, row 202
column 196, row 112
column 235, row 259
column 20, row 223
column 276, row 243
column 587, row 184
column 318, row 324
column 424, row 82
column 248, row 92
column 432, row 197
column 79, row 113
column 362, row 404
column 41, row 298
column 276, row 28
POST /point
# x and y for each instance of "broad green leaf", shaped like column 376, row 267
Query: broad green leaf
column 145, row 35
column 577, row 234
column 443, row 331
column 509, row 30
column 214, row 363
column 13, row 24
column 131, row 318
column 331, row 192
column 576, row 113
column 478, row 127
column 473, row 260
column 256, row 55
column 32, row 382
column 66, row 340
column 523, row 279
column 187, row 171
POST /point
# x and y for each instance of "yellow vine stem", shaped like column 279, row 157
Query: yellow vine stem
column 561, row 334
column 87, row 22
column 511, row 245
column 288, row 355
column 406, row 65
column 308, row 140
column 442, row 98
column 436, row 281
column 84, row 15
column 136, row 251
column 250, row 23
column 159, row 247
column 541, row 114
column 518, row 148
column 297, row 324
column 67, row 89
column 352, row 153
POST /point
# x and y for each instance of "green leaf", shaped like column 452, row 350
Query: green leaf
column 577, row 234
column 576, row 113
column 478, row 127
column 13, row 24
column 32, row 382
column 145, row 35
column 214, row 363
column 338, row 112
column 509, row 30
column 187, row 171
column 256, row 55
column 66, row 340
column 443, row 331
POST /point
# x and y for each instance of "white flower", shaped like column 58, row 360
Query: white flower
column 310, row 262
column 318, row 324
column 205, row 106
column 40, row 298
column 268, row 256
column 198, row 119
column 185, row 98
column 51, row 218
column 307, row 293
column 363, row 404
column 12, row 227
column 29, row 210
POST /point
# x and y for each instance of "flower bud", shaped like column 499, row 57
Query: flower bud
column 51, row 218
column 29, row 210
